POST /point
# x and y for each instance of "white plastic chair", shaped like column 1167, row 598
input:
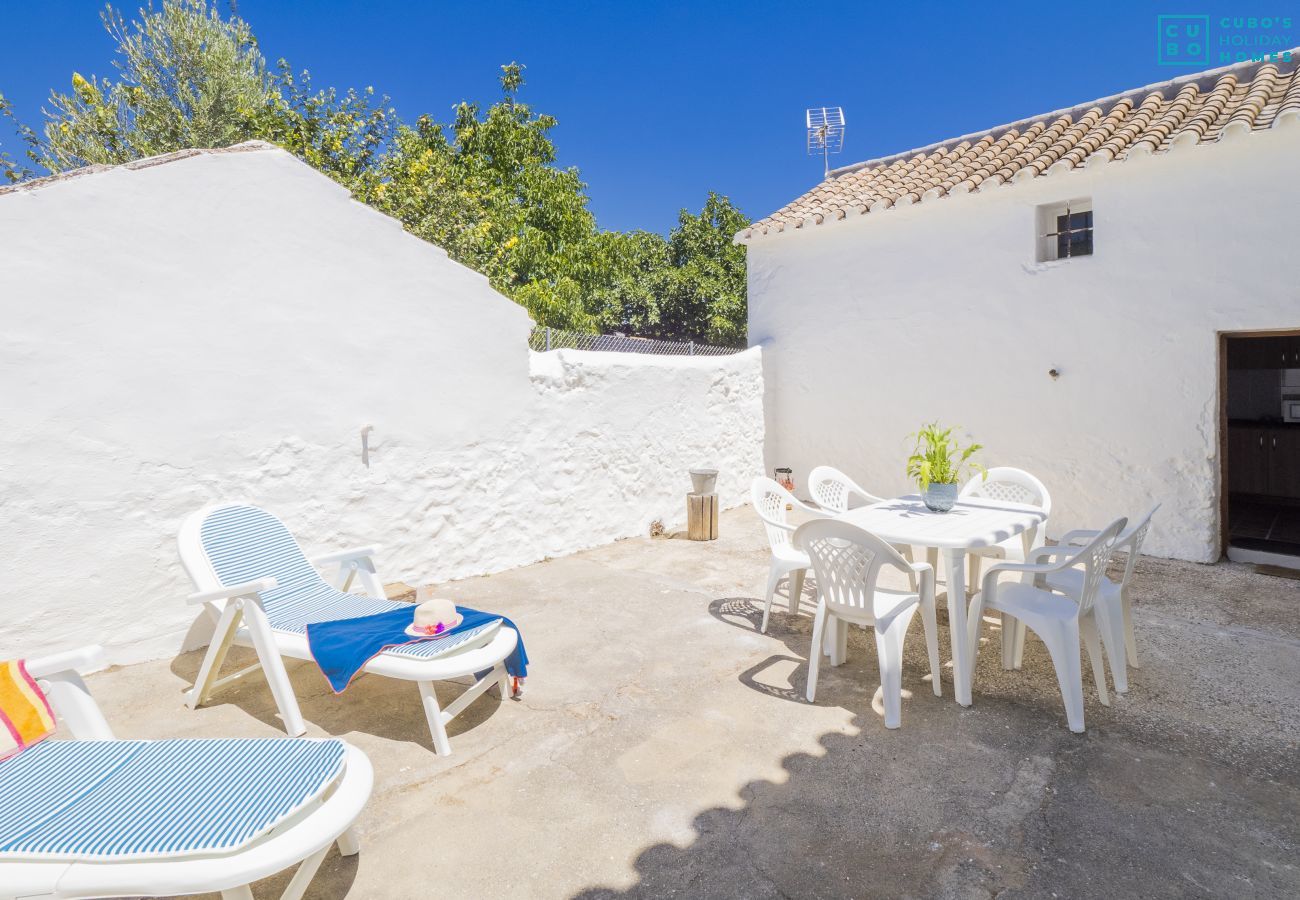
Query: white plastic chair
column 1015, row 486
column 1061, row 622
column 770, row 500
column 847, row 560
column 260, row 590
column 833, row 491
column 1114, row 606
column 127, row 824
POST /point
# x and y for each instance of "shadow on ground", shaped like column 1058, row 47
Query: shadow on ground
column 1002, row 801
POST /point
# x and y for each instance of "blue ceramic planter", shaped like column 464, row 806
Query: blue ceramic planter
column 940, row 497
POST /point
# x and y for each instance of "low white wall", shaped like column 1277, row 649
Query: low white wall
column 222, row 326
column 876, row 324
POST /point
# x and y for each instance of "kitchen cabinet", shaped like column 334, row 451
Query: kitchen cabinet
column 1284, row 462
column 1264, row 352
column 1282, row 353
column 1264, row 460
column 1247, row 460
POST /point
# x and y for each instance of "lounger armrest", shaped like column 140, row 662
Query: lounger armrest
column 80, row 660
column 247, row 589
column 345, row 556
column 60, row 677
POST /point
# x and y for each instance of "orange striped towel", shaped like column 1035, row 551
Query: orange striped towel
column 25, row 714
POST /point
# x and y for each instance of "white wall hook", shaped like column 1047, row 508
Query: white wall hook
column 365, row 445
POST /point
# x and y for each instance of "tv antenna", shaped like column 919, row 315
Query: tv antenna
column 825, row 132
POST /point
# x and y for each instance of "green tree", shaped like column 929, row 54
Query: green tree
column 186, row 78
column 10, row 169
column 342, row 135
column 485, row 188
column 689, row 287
column 628, row 300
column 189, row 78
column 704, row 296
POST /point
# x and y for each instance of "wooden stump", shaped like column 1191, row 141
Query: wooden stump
column 702, row 517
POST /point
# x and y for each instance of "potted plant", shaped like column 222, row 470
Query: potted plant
column 937, row 463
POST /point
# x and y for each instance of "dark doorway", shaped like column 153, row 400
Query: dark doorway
column 1260, row 390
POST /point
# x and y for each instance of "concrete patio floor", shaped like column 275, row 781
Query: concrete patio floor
column 663, row 747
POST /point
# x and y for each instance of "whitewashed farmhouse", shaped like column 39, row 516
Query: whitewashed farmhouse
column 1107, row 295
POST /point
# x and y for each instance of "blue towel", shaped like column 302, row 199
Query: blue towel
column 343, row 647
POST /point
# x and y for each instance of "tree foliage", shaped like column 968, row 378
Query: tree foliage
column 343, row 135
column 688, row 287
column 484, row 185
column 10, row 169
column 185, row 78
column 485, row 188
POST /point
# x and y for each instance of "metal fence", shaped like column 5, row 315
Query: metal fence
column 543, row 339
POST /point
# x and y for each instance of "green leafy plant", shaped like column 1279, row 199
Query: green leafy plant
column 938, row 457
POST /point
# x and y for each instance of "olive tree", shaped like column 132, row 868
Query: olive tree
column 186, row 77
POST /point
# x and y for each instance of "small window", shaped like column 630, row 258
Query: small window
column 1065, row 230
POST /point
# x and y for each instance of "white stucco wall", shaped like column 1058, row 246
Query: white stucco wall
column 223, row 326
column 875, row 324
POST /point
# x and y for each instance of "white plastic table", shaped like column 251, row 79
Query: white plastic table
column 971, row 523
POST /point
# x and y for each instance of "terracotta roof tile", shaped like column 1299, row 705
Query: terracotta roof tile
column 1249, row 96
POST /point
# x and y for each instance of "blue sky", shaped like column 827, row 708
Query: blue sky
column 658, row 103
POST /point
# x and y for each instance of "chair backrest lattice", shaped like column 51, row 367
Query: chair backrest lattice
column 845, row 571
column 1130, row 543
column 1094, row 558
column 846, row 562
column 832, row 490
column 1009, row 485
column 830, row 494
column 770, row 500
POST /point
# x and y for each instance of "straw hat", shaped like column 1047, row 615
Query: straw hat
column 436, row 615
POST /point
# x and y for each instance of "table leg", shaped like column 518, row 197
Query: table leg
column 958, row 626
column 1028, row 538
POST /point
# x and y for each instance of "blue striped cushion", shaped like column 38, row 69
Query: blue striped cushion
column 245, row 543
column 427, row 647
column 136, row 800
